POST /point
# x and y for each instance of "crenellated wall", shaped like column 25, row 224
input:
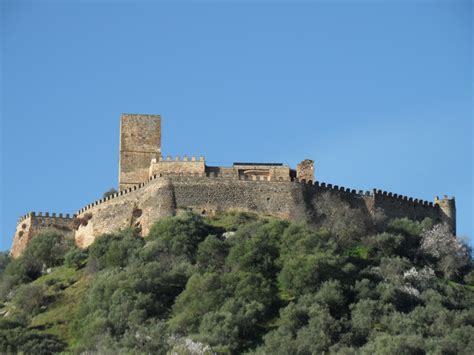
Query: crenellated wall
column 31, row 224
column 145, row 203
column 152, row 187
column 163, row 194
column 184, row 166
column 398, row 206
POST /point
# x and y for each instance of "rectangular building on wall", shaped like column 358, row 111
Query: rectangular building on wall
column 140, row 142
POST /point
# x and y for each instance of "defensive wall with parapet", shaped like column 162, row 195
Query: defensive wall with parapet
column 165, row 194
column 152, row 187
column 29, row 225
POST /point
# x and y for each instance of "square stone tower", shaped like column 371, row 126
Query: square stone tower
column 140, row 142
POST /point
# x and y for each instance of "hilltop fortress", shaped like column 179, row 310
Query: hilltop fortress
column 152, row 186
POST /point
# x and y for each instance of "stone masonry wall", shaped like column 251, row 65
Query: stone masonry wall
column 211, row 195
column 185, row 166
column 397, row 206
column 32, row 224
column 140, row 142
column 141, row 206
column 393, row 205
column 305, row 170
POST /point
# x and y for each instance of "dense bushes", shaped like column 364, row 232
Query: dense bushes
column 238, row 283
column 16, row 338
column 46, row 250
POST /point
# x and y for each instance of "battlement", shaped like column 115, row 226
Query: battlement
column 33, row 223
column 379, row 197
column 392, row 197
column 177, row 158
column 208, row 175
column 376, row 194
column 178, row 165
column 340, row 189
column 46, row 215
column 152, row 186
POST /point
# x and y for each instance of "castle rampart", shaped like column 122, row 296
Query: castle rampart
column 33, row 223
column 152, row 187
column 164, row 194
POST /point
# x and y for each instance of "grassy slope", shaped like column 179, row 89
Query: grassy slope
column 66, row 287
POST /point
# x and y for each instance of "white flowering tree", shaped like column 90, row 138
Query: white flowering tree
column 449, row 252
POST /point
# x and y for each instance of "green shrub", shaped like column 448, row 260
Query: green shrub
column 19, row 271
column 111, row 250
column 30, row 298
column 15, row 337
column 255, row 248
column 469, row 278
column 212, row 253
column 305, row 273
column 4, row 261
column 48, row 248
column 181, row 235
column 270, row 287
column 75, row 258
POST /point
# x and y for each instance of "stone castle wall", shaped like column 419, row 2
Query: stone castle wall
column 32, row 224
column 305, row 170
column 152, row 187
column 142, row 205
column 163, row 195
column 184, row 166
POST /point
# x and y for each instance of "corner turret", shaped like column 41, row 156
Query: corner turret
column 305, row 171
column 448, row 211
column 32, row 224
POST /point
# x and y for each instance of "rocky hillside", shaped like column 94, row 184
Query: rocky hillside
column 241, row 283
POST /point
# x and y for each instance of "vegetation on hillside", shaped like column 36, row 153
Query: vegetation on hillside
column 237, row 282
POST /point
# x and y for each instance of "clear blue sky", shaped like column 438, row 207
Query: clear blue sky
column 379, row 94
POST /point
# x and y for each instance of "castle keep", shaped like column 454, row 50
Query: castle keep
column 152, row 186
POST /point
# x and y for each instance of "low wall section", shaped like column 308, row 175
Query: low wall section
column 33, row 223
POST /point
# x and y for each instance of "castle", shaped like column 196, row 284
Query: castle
column 152, row 186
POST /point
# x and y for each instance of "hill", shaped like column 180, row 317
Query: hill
column 238, row 282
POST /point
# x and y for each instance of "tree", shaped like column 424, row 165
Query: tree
column 305, row 273
column 29, row 298
column 386, row 344
column 255, row 248
column 117, row 249
column 75, row 258
column 19, row 271
column 16, row 337
column 4, row 261
column 189, row 309
column 449, row 253
column 212, row 253
column 347, row 224
column 305, row 327
column 48, row 248
column 181, row 235
column 365, row 318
